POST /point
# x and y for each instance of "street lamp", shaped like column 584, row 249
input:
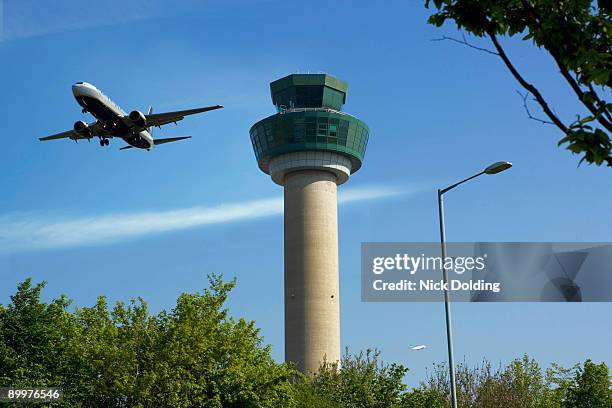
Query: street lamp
column 494, row 168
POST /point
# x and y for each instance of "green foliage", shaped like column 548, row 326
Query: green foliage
column 593, row 143
column 522, row 384
column 425, row 398
column 576, row 34
column 195, row 355
column 591, row 387
column 32, row 335
column 558, row 380
column 360, row 381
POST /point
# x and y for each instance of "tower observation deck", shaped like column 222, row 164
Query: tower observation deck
column 310, row 147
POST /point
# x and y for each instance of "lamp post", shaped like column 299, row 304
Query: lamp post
column 494, row 168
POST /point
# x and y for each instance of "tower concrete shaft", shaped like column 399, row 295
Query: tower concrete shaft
column 312, row 311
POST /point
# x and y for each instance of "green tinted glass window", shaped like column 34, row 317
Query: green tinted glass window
column 311, row 130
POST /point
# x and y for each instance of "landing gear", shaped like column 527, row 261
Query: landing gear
column 104, row 142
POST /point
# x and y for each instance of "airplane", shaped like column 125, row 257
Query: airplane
column 135, row 129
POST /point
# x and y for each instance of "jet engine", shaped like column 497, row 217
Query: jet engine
column 81, row 128
column 138, row 118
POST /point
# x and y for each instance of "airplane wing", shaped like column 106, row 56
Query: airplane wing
column 68, row 133
column 159, row 119
column 95, row 128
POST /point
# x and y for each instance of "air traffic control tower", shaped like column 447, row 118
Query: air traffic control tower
column 310, row 147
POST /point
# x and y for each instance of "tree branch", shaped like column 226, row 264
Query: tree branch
column 580, row 93
column 526, row 85
column 465, row 42
column 601, row 103
column 529, row 115
column 565, row 72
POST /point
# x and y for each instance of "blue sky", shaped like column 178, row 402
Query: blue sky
column 437, row 112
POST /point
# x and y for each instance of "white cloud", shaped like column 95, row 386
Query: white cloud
column 32, row 18
column 22, row 232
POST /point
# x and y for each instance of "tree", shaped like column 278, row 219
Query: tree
column 575, row 33
column 518, row 385
column 424, row 398
column 591, row 387
column 359, row 381
column 558, row 380
column 522, row 384
column 31, row 338
column 194, row 355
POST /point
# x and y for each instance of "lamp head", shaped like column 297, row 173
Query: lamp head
column 498, row 167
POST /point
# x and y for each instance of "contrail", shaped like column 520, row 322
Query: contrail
column 20, row 232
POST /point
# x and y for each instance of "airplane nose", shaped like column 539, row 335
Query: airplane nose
column 77, row 88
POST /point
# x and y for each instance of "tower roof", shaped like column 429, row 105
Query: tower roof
column 309, row 91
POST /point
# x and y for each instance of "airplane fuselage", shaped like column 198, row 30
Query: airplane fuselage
column 110, row 115
column 112, row 121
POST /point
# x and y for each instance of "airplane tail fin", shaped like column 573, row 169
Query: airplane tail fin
column 161, row 141
column 150, row 111
column 170, row 139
